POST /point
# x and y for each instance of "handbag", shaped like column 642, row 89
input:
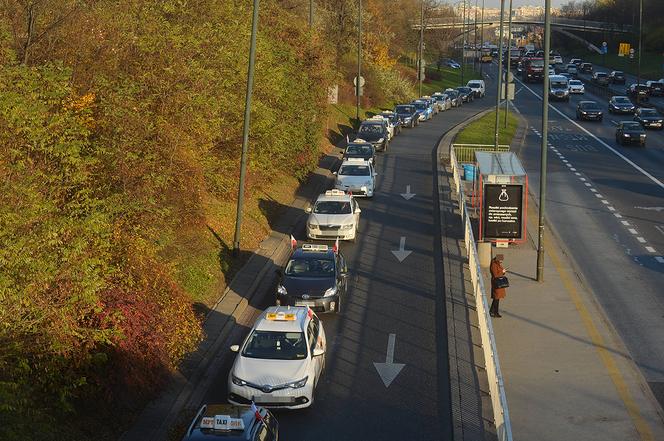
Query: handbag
column 501, row 282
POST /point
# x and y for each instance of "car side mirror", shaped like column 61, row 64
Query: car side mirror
column 375, row 174
column 235, row 348
column 307, row 210
column 318, row 352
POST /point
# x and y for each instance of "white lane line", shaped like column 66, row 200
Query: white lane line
column 582, row 179
column 597, row 195
column 651, row 250
column 660, row 259
column 605, row 202
column 625, row 223
column 610, row 207
column 640, row 239
column 572, row 169
column 618, row 215
column 632, row 230
column 588, row 184
column 616, row 152
column 593, row 190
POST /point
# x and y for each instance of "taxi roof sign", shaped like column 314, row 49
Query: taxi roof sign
column 335, row 193
column 360, row 160
column 222, row 422
column 359, row 140
column 280, row 316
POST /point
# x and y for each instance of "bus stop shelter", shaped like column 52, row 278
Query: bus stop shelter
column 502, row 189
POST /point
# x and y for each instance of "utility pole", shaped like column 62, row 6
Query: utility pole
column 509, row 59
column 463, row 46
column 500, row 71
column 358, row 86
column 638, row 63
column 545, row 133
column 311, row 14
column 482, row 40
column 475, row 43
column 245, row 130
column 420, row 65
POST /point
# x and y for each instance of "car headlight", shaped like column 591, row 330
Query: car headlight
column 282, row 290
column 369, row 182
column 330, row 292
column 583, row 112
column 659, row 121
column 347, row 227
column 298, row 384
column 313, row 226
column 238, row 381
column 380, row 140
column 626, row 135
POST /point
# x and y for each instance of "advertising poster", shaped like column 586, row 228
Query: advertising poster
column 503, row 211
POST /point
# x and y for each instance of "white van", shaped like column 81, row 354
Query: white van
column 558, row 88
column 478, row 87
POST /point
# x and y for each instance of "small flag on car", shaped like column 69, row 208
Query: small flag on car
column 336, row 246
column 254, row 409
column 293, row 242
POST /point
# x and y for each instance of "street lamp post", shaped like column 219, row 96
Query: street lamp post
column 482, row 39
column 311, row 13
column 545, row 133
column 245, row 130
column 509, row 58
column 358, row 85
column 500, row 71
column 638, row 61
column 463, row 45
column 420, row 65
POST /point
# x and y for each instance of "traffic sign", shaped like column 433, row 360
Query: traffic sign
column 631, row 53
column 361, row 81
column 604, row 44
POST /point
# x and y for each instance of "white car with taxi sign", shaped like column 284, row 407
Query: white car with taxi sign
column 335, row 215
column 357, row 176
column 281, row 360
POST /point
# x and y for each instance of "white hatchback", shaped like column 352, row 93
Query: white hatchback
column 334, row 215
column 357, row 176
column 281, row 360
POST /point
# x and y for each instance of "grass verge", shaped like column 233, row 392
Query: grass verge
column 437, row 81
column 482, row 131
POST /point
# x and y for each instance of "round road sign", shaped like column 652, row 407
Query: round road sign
column 361, row 81
column 604, row 44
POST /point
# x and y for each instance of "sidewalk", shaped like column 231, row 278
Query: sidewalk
column 567, row 375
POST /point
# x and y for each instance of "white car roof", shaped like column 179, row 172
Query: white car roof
column 334, row 195
column 284, row 319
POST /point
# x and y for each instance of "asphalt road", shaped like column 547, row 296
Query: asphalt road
column 606, row 203
column 385, row 297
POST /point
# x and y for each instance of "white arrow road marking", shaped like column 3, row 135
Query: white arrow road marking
column 407, row 195
column 389, row 370
column 657, row 209
column 401, row 253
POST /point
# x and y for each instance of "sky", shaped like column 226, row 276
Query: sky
column 496, row 3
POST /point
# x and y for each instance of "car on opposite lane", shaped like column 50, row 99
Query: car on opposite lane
column 408, row 115
column 315, row 276
column 621, row 104
column 280, row 362
column 656, row 88
column 600, row 78
column 335, row 215
column 232, row 423
column 649, row 118
column 357, row 176
column 589, row 110
column 572, row 69
column 630, row 132
column 586, row 68
column 559, row 88
column 576, row 86
column 375, row 131
column 639, row 92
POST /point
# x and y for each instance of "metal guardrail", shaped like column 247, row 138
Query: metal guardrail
column 466, row 152
column 492, row 364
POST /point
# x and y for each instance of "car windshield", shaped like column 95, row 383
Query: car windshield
column 474, row 85
column 648, row 112
column 375, row 129
column 363, row 150
column 332, row 207
column 575, row 83
column 404, row 109
column 622, row 100
column 464, row 89
column 618, row 74
column 354, row 170
column 310, row 267
column 642, row 87
column 273, row 345
column 537, row 63
column 420, row 106
column 631, row 126
column 656, row 84
column 571, row 66
column 601, row 75
column 452, row 93
column 558, row 84
column 589, row 106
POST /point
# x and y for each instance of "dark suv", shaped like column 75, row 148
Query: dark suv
column 375, row 132
column 617, row 77
column 639, row 92
column 315, row 276
column 586, row 68
column 601, row 78
column 407, row 113
column 589, row 110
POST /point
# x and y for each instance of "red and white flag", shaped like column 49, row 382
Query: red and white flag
column 293, row 242
column 254, row 409
column 336, row 246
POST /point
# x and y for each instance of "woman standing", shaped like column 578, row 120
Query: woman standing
column 497, row 271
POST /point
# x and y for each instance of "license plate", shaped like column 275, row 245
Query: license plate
column 266, row 398
column 302, row 303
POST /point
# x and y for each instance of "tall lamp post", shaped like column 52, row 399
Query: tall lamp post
column 509, row 59
column 420, row 65
column 500, row 71
column 638, row 62
column 311, row 13
column 245, row 130
column 545, row 132
column 463, row 45
column 482, row 39
column 358, row 85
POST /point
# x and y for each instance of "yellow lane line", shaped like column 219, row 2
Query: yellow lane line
column 619, row 382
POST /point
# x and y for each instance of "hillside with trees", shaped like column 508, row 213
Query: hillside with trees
column 120, row 134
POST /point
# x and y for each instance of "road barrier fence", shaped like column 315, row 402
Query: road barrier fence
column 466, row 152
column 494, row 375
